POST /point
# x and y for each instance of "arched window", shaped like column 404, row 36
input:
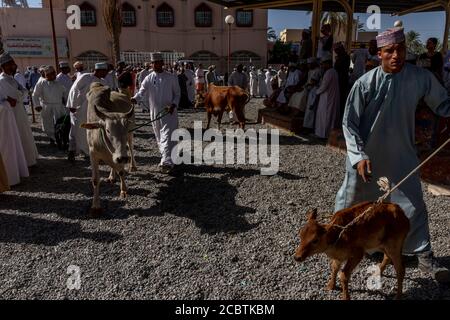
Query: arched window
column 203, row 16
column 128, row 15
column 246, row 58
column 165, row 16
column 244, row 18
column 204, row 57
column 88, row 16
column 90, row 58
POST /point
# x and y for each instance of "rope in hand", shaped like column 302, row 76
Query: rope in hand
column 383, row 182
column 159, row 116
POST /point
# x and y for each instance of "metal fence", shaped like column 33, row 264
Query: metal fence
column 139, row 58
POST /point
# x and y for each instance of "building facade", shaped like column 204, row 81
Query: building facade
column 195, row 28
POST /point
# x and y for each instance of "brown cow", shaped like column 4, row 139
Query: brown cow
column 220, row 99
column 383, row 228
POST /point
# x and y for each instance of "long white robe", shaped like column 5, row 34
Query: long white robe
column 200, row 76
column 23, row 82
column 446, row 75
column 292, row 79
column 379, row 125
column 282, row 75
column 10, row 88
column 111, row 80
column 269, row 83
column 359, row 59
column 4, row 183
column 162, row 90
column 78, row 100
column 310, row 112
column 253, row 83
column 239, row 79
column 11, row 148
column 78, row 74
column 65, row 80
column 190, row 84
column 327, row 113
column 50, row 96
column 141, row 77
column 262, row 86
column 300, row 99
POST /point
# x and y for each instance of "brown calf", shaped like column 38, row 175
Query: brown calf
column 383, row 228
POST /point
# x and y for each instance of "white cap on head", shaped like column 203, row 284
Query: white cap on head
column 101, row 66
column 78, row 64
column 63, row 64
column 5, row 57
column 156, row 56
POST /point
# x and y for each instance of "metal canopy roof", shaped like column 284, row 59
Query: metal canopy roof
column 387, row 6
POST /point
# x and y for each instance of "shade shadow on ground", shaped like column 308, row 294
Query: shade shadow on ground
column 209, row 202
column 24, row 229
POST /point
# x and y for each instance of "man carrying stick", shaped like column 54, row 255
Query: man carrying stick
column 379, row 131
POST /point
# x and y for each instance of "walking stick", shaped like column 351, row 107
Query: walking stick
column 30, row 98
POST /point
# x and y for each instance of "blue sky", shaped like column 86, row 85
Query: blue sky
column 429, row 24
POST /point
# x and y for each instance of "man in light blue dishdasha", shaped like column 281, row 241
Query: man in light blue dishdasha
column 379, row 129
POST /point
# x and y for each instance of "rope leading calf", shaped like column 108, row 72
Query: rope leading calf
column 383, row 182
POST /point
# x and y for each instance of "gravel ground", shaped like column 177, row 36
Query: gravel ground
column 210, row 232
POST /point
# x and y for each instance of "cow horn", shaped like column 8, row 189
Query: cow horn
column 99, row 114
column 130, row 113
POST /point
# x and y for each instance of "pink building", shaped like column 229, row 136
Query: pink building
column 193, row 27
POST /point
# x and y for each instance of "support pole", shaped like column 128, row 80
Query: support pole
column 349, row 34
column 229, row 49
column 446, row 31
column 273, row 4
column 55, row 46
column 317, row 10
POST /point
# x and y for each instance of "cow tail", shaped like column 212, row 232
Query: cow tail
column 249, row 97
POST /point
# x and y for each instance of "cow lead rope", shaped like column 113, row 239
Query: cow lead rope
column 159, row 116
column 383, row 182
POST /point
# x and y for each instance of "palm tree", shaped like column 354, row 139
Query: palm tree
column 337, row 20
column 413, row 42
column 112, row 17
column 271, row 34
column 439, row 46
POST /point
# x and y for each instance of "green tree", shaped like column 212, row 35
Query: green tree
column 413, row 42
column 280, row 52
column 271, row 34
column 439, row 45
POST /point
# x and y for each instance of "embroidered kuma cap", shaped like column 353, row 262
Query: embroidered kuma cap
column 390, row 36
